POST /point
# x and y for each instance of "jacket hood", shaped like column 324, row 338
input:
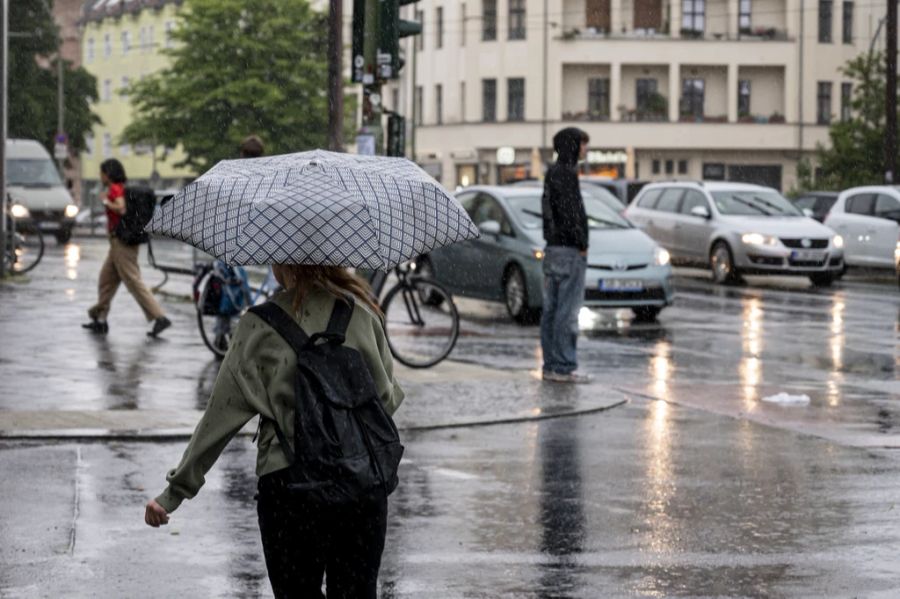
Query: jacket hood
column 567, row 144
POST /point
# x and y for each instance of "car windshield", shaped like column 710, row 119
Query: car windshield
column 753, row 203
column 32, row 173
column 600, row 216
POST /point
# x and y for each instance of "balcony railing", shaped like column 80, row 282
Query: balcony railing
column 765, row 34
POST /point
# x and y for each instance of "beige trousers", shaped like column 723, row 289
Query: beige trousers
column 121, row 266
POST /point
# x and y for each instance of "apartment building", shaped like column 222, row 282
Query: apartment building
column 121, row 42
column 712, row 89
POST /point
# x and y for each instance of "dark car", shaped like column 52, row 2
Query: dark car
column 816, row 204
column 624, row 189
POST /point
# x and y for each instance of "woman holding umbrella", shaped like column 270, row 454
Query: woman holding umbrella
column 309, row 215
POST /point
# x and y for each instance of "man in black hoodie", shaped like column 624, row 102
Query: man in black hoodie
column 565, row 258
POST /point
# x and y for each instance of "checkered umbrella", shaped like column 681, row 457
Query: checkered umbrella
column 315, row 208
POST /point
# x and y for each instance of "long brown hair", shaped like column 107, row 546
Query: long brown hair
column 303, row 278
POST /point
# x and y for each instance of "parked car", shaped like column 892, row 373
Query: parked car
column 32, row 181
column 737, row 229
column 626, row 269
column 624, row 189
column 816, row 204
column 867, row 218
column 587, row 190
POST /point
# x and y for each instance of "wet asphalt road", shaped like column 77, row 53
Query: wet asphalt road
column 711, row 493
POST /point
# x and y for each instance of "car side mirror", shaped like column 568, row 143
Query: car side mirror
column 490, row 227
column 701, row 211
column 809, row 213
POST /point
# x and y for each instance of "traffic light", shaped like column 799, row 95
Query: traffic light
column 391, row 29
column 360, row 67
column 396, row 137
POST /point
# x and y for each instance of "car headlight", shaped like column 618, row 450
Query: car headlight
column 19, row 211
column 662, row 257
column 71, row 211
column 538, row 253
column 838, row 242
column 758, row 239
column 897, row 253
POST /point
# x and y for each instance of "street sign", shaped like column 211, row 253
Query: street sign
column 365, row 145
column 60, row 151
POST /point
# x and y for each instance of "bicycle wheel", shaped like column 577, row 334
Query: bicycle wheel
column 24, row 250
column 420, row 334
column 215, row 329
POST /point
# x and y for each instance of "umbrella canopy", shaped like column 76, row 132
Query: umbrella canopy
column 315, row 208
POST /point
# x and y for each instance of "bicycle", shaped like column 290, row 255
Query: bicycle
column 24, row 245
column 222, row 294
column 423, row 327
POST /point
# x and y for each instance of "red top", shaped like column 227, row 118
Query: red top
column 116, row 190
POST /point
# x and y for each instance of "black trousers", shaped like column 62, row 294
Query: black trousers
column 303, row 541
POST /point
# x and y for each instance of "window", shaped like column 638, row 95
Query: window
column 649, row 199
column 463, row 25
column 744, row 15
column 420, row 39
column 439, row 27
column 439, row 104
column 126, row 42
column 150, row 38
column 670, row 167
column 861, row 204
column 89, row 55
column 825, row 19
column 123, row 91
column 395, row 100
column 125, row 149
column 598, row 99
column 744, row 97
column 516, row 19
column 646, row 89
column 656, row 167
column 670, row 200
column 107, row 145
column 462, row 101
column 419, row 105
column 488, row 100
column 489, row 20
column 693, row 17
column 107, row 46
column 682, row 167
column 487, row 209
column 693, row 199
column 89, row 144
column 142, row 39
column 713, row 171
column 847, row 23
column 515, row 107
column 693, row 97
column 846, row 101
column 823, row 103
column 107, row 90
column 170, row 26
column 887, row 207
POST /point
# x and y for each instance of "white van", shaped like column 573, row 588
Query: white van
column 33, row 182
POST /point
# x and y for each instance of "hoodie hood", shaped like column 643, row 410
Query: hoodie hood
column 567, row 144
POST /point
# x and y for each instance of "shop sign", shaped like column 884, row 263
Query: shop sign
column 506, row 156
column 605, row 157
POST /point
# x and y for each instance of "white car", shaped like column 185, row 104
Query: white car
column 867, row 218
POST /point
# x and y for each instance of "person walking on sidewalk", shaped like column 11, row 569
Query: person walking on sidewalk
column 302, row 539
column 565, row 258
column 121, row 265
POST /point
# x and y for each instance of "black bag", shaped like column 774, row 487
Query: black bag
column 345, row 444
column 139, row 205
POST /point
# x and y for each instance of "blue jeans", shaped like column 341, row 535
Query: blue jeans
column 564, row 269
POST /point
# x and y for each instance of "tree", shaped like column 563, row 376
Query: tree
column 856, row 154
column 33, row 44
column 238, row 67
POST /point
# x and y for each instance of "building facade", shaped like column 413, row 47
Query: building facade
column 121, row 43
column 67, row 14
column 698, row 89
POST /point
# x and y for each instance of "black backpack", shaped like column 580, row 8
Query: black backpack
column 346, row 446
column 139, row 205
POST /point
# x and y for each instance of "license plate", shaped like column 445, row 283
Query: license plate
column 807, row 255
column 48, row 226
column 621, row 285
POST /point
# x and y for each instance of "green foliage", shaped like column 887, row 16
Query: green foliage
column 33, row 80
column 856, row 153
column 238, row 67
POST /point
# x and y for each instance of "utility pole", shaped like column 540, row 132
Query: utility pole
column 4, row 76
column 890, row 129
column 335, row 76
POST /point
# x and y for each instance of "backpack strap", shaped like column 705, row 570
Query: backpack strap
column 341, row 314
column 274, row 316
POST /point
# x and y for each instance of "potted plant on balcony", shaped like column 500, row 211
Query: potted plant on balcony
column 777, row 118
column 655, row 108
column 693, row 34
column 746, row 117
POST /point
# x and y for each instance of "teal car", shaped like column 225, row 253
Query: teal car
column 626, row 268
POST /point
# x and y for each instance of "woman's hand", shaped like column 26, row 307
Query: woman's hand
column 155, row 514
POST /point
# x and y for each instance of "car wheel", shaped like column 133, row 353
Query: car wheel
column 425, row 270
column 822, row 280
column 515, row 295
column 63, row 236
column 721, row 262
column 646, row 313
